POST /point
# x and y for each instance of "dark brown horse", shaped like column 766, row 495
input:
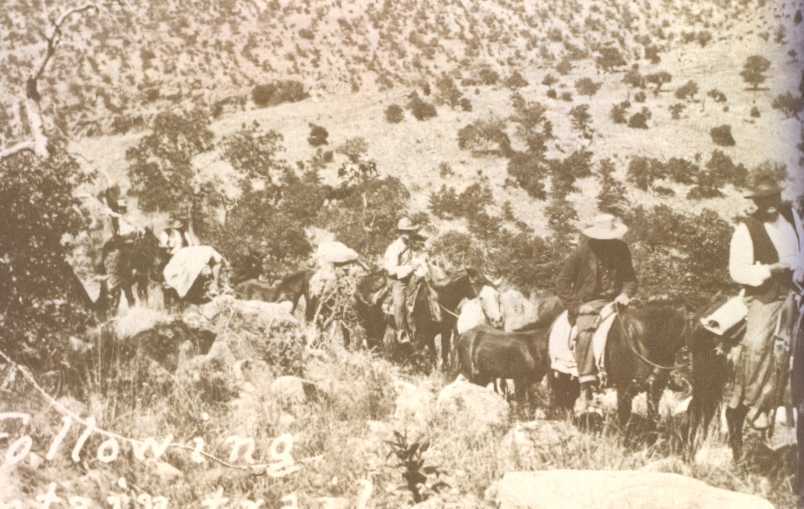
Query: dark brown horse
column 485, row 354
column 291, row 287
column 640, row 355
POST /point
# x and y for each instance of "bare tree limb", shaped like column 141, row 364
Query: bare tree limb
column 39, row 142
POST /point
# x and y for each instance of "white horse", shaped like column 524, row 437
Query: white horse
column 485, row 309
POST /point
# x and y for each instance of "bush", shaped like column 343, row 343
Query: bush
column 755, row 112
column 564, row 66
column 318, row 136
column 420, row 109
column 566, row 96
column 638, row 121
column 41, row 302
column 642, row 172
column 680, row 255
column 717, row 95
column 394, row 114
column 721, row 135
column 549, row 80
column 516, row 80
column 466, row 104
column 612, row 197
column 634, row 79
column 488, row 76
column 640, row 97
column 529, row 173
column 552, row 94
column 676, row 110
column 484, row 136
column 687, row 91
column 618, row 112
column 789, row 104
column 447, row 92
column 278, row 92
column 588, row 87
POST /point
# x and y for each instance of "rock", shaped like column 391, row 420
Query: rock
column 10, row 485
column 472, row 405
column 413, row 405
column 600, row 489
column 166, row 472
column 525, row 439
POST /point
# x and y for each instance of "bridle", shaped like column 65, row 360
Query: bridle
column 685, row 332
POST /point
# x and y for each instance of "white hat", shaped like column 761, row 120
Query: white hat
column 406, row 225
column 604, row 227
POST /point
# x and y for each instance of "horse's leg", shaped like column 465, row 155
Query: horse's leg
column 735, row 418
column 446, row 344
column 624, row 400
column 652, row 396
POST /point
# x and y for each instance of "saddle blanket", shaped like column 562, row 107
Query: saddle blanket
column 561, row 342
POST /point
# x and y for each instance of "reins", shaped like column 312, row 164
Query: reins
column 628, row 341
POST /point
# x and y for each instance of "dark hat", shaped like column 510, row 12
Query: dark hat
column 763, row 186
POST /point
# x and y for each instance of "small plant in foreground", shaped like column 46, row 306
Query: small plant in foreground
column 421, row 480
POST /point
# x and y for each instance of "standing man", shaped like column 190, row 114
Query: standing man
column 115, row 253
column 598, row 272
column 176, row 236
column 763, row 253
column 399, row 262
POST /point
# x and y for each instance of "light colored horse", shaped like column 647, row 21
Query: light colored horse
column 485, row 309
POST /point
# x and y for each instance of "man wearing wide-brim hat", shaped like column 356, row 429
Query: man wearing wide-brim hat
column 599, row 271
column 763, row 253
column 399, row 262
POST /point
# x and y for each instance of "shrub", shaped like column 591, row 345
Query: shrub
column 634, row 78
column 588, row 87
column 516, row 80
column 612, row 197
column 618, row 112
column 394, row 114
column 278, row 92
column 754, row 70
column 638, row 121
column 717, row 95
column 676, row 110
column 642, row 172
column 566, row 96
column 581, row 118
column 41, row 303
column 640, row 97
column 421, row 109
column 447, row 92
column 564, row 66
column 687, row 91
column 789, row 104
column 549, row 80
column 318, row 135
column 659, row 79
column 488, row 76
column 529, row 173
column 721, row 135
column 466, row 104
column 552, row 94
column 484, row 136
column 755, row 112
column 609, row 58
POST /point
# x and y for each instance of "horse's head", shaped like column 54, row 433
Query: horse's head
column 491, row 303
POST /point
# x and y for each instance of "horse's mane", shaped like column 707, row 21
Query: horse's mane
column 660, row 323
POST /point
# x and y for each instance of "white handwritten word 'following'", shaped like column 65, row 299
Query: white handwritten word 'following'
column 241, row 449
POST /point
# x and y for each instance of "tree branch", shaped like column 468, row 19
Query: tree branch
column 39, row 142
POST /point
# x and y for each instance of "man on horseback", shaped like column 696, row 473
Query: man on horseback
column 400, row 261
column 598, row 272
column 176, row 236
column 764, row 252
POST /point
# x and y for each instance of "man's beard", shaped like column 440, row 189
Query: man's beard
column 767, row 215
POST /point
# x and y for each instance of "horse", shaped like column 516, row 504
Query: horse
column 372, row 290
column 291, row 287
column 712, row 371
column 141, row 263
column 486, row 354
column 639, row 356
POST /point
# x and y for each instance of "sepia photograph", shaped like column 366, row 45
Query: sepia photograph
column 401, row 254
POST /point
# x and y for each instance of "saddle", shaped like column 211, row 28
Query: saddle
column 561, row 342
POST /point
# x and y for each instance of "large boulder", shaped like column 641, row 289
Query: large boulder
column 602, row 489
column 471, row 405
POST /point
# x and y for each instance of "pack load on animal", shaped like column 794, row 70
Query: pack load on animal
column 727, row 316
column 334, row 252
column 186, row 265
